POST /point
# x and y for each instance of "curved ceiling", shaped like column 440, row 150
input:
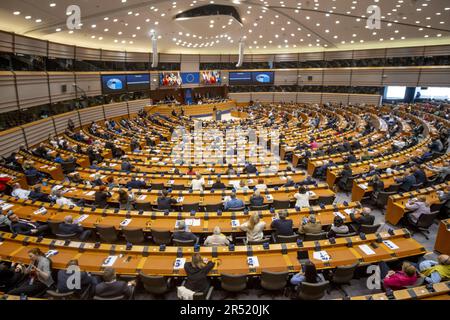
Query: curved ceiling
column 268, row 26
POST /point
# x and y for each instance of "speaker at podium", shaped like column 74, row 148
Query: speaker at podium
column 216, row 114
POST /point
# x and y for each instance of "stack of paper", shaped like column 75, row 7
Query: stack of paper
column 338, row 214
column 142, row 197
column 6, row 206
column 81, row 218
column 366, row 249
column 180, row 199
column 40, row 211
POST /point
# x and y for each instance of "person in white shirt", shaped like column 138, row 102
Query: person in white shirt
column 198, row 182
column 254, row 228
column 20, row 193
column 261, row 185
column 242, row 186
column 303, row 197
column 217, row 238
column 60, row 200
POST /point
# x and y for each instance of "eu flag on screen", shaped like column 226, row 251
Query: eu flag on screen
column 190, row 77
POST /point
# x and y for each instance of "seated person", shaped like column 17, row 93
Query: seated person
column 20, row 193
column 5, row 223
column 38, row 195
column 38, row 275
column 111, row 287
column 289, row 182
column 310, row 225
column 218, row 185
column 406, row 183
column 230, row 171
column 250, row 168
column 338, row 227
column 63, row 201
column 197, row 273
column 25, row 227
column 101, row 197
column 182, row 233
column 191, row 171
column 126, row 165
column 282, row 226
column 233, row 203
column 436, row 272
column 419, row 174
column 198, row 183
column 76, row 178
column 418, row 206
column 261, row 185
column 65, row 276
column 242, row 186
column 308, row 274
column 164, row 201
column 256, row 200
column 10, row 275
column 345, row 176
column 377, row 185
column 396, row 280
column 136, row 184
column 96, row 180
column 69, row 227
column 302, row 197
column 126, row 200
column 365, row 218
column 217, row 238
column 254, row 228
column 442, row 172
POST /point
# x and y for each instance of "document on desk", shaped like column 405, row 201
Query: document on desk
column 6, row 206
column 390, row 244
column 125, row 222
column 179, row 263
column 109, row 262
column 253, row 261
column 235, row 223
column 180, row 199
column 81, row 218
column 90, row 193
column 363, row 186
column 269, row 197
column 349, row 211
column 338, row 214
column 40, row 211
column 142, row 197
column 366, row 249
column 321, row 255
column 50, row 253
column 170, row 182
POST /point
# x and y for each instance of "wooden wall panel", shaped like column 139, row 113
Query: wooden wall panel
column 61, row 121
column 8, row 101
column 240, row 97
column 116, row 109
column 89, row 82
column 56, row 50
column 401, row 77
column 337, row 77
column 174, row 58
column 308, row 97
column 367, row 99
column 38, row 131
column 30, row 46
column 92, row 114
column 87, row 54
column 6, row 42
column 367, row 77
column 137, row 57
column 10, row 141
column 32, row 88
column 285, row 97
column 60, row 81
column 435, row 77
column 286, row 77
column 314, row 73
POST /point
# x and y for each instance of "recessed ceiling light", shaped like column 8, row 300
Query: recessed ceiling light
column 16, row 13
column 38, row 20
column 52, row 5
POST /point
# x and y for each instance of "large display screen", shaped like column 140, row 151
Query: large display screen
column 114, row 84
column 138, row 82
column 170, row 79
column 395, row 93
column 210, row 77
column 259, row 78
column 240, row 78
column 190, row 78
column 437, row 93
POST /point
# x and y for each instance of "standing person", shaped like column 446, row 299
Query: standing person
column 198, row 183
column 101, row 197
column 38, row 275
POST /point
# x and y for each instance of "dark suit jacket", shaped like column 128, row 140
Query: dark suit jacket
column 256, row 201
column 101, row 198
column 367, row 220
column 197, row 280
column 218, row 185
column 135, row 184
column 69, row 228
column 113, row 289
column 164, row 203
column 407, row 183
column 282, row 227
column 63, row 276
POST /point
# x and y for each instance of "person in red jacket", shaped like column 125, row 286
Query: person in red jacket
column 4, row 186
column 396, row 280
